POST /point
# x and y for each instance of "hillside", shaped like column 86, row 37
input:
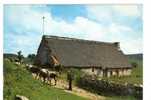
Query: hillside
column 17, row 80
column 135, row 56
column 9, row 55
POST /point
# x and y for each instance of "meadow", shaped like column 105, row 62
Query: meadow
column 17, row 80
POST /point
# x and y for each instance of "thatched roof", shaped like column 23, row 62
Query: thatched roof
column 85, row 53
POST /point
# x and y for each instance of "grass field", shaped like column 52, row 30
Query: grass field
column 17, row 80
column 121, row 98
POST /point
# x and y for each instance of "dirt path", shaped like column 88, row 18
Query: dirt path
column 78, row 91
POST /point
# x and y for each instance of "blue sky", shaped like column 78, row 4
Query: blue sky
column 109, row 23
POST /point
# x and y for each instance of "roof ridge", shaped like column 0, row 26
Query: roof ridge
column 75, row 39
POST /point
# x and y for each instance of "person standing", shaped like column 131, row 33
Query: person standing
column 70, row 78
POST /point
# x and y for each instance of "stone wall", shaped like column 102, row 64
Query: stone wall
column 104, row 87
column 108, row 72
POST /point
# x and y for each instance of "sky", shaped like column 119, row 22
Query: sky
column 23, row 25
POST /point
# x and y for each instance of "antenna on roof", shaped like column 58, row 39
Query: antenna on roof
column 43, row 26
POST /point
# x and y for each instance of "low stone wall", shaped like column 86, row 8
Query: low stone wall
column 104, row 87
column 107, row 72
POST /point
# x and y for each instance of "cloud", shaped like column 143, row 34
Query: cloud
column 128, row 10
column 23, row 29
column 116, row 21
column 108, row 12
column 132, row 46
column 100, row 13
column 14, row 43
column 27, row 27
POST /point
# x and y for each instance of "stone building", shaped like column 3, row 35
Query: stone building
column 93, row 57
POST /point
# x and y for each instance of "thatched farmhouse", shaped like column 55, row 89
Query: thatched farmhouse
column 100, row 58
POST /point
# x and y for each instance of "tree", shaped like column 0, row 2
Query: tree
column 19, row 56
column 31, row 57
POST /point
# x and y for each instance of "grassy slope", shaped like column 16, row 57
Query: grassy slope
column 137, row 73
column 121, row 98
column 19, row 81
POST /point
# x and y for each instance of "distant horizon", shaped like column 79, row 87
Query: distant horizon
column 23, row 25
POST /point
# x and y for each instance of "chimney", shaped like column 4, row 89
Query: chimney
column 117, row 45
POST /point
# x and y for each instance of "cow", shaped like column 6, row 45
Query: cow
column 52, row 75
column 43, row 74
column 34, row 70
column 47, row 75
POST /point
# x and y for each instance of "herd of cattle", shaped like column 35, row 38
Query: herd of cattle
column 41, row 73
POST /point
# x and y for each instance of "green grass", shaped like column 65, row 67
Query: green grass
column 17, row 80
column 121, row 98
